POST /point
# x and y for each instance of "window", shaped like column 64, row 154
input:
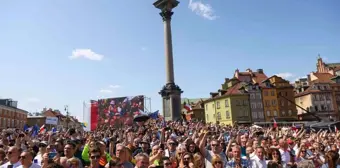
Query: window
column 282, row 103
column 286, row 94
column 245, row 102
column 246, row 113
column 268, row 113
column 253, row 105
column 273, row 102
column 290, row 112
column 283, row 113
column 272, row 93
column 259, row 105
column 237, row 102
column 213, row 106
column 329, row 107
column 275, row 113
column 206, row 106
column 219, row 116
column 267, row 103
column 207, row 117
column 254, row 114
column 265, row 93
column 226, row 103
column 328, row 97
column 218, row 104
column 227, row 114
column 258, row 96
column 260, row 115
column 252, row 96
column 289, row 104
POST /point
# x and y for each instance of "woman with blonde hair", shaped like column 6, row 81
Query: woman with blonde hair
column 217, row 161
column 198, row 161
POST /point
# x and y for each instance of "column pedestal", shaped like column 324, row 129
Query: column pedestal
column 171, row 97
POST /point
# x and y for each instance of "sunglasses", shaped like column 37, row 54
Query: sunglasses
column 22, row 157
column 218, row 162
column 167, row 164
column 95, row 157
column 186, row 158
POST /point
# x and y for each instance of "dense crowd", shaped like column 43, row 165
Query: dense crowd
column 180, row 144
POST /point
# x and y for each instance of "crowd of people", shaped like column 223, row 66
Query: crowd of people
column 170, row 145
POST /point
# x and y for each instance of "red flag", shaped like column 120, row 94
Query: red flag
column 335, row 129
column 94, row 114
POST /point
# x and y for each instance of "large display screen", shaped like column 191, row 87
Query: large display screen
column 119, row 110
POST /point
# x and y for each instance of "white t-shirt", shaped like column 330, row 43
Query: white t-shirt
column 39, row 159
column 32, row 166
column 15, row 165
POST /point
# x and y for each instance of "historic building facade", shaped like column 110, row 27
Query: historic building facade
column 10, row 115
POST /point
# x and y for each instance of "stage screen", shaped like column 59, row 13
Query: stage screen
column 120, row 110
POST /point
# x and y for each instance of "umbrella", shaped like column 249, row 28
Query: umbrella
column 141, row 118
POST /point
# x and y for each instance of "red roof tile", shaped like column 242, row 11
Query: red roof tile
column 234, row 90
column 256, row 77
column 323, row 77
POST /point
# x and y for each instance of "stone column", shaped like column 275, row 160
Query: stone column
column 169, row 65
column 171, row 93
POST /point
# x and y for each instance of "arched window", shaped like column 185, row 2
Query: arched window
column 275, row 113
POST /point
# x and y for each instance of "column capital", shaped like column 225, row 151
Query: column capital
column 166, row 15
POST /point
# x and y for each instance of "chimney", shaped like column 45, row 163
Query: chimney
column 249, row 70
column 308, row 78
column 260, row 71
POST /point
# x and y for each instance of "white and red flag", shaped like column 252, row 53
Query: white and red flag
column 42, row 129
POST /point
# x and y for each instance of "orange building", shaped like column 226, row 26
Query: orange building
column 278, row 95
column 10, row 115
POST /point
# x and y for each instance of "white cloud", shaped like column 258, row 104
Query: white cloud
column 115, row 86
column 204, row 10
column 285, row 75
column 86, row 53
column 296, row 79
column 33, row 100
column 105, row 91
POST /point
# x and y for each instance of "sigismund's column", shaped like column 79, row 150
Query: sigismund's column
column 171, row 93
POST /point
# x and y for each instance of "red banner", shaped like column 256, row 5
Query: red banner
column 94, row 114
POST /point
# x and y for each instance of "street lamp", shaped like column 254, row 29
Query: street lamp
column 67, row 115
column 171, row 93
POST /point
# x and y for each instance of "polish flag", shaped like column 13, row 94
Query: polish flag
column 187, row 107
column 42, row 129
column 274, row 124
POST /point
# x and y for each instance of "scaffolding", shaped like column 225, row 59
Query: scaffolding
column 147, row 104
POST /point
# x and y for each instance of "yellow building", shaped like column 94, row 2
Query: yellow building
column 228, row 105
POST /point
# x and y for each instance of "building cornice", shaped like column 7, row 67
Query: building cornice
column 13, row 108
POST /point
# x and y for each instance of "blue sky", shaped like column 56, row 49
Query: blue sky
column 124, row 39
